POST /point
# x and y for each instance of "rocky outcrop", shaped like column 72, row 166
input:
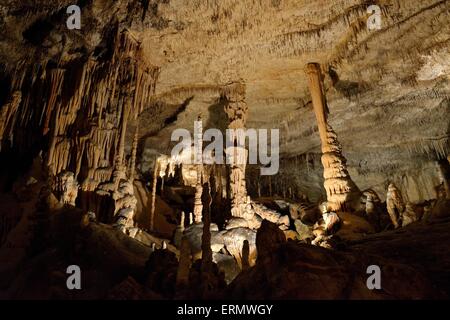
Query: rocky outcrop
column 298, row 271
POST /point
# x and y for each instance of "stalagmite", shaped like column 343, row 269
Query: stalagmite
column 270, row 186
column 206, row 236
column 206, row 266
column 259, row 188
column 67, row 188
column 245, row 255
column 409, row 215
column 191, row 218
column 182, row 220
column 395, row 205
column 342, row 193
column 179, row 231
column 153, row 197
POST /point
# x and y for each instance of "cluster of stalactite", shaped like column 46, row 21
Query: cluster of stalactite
column 77, row 112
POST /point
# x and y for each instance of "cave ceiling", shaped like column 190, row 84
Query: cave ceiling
column 387, row 90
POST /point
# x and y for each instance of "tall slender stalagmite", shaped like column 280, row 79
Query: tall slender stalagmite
column 198, row 159
column 153, row 197
column 342, row 192
column 206, row 236
column 237, row 111
column 245, row 255
column 198, row 206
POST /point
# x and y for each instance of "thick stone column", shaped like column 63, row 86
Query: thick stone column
column 237, row 112
column 341, row 190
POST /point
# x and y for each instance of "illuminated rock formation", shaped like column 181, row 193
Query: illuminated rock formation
column 395, row 205
column 341, row 190
column 409, row 215
column 67, row 188
column 179, row 231
column 198, row 206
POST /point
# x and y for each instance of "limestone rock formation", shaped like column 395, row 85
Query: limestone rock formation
column 67, row 187
column 237, row 113
column 341, row 190
column 395, row 205
column 268, row 237
column 87, row 118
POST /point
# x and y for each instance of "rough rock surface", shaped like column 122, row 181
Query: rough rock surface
column 407, row 259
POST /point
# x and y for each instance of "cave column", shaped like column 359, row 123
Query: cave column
column 341, row 190
column 198, row 159
column 237, row 111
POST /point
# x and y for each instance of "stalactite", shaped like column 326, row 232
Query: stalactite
column 83, row 106
column 132, row 167
column 7, row 115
